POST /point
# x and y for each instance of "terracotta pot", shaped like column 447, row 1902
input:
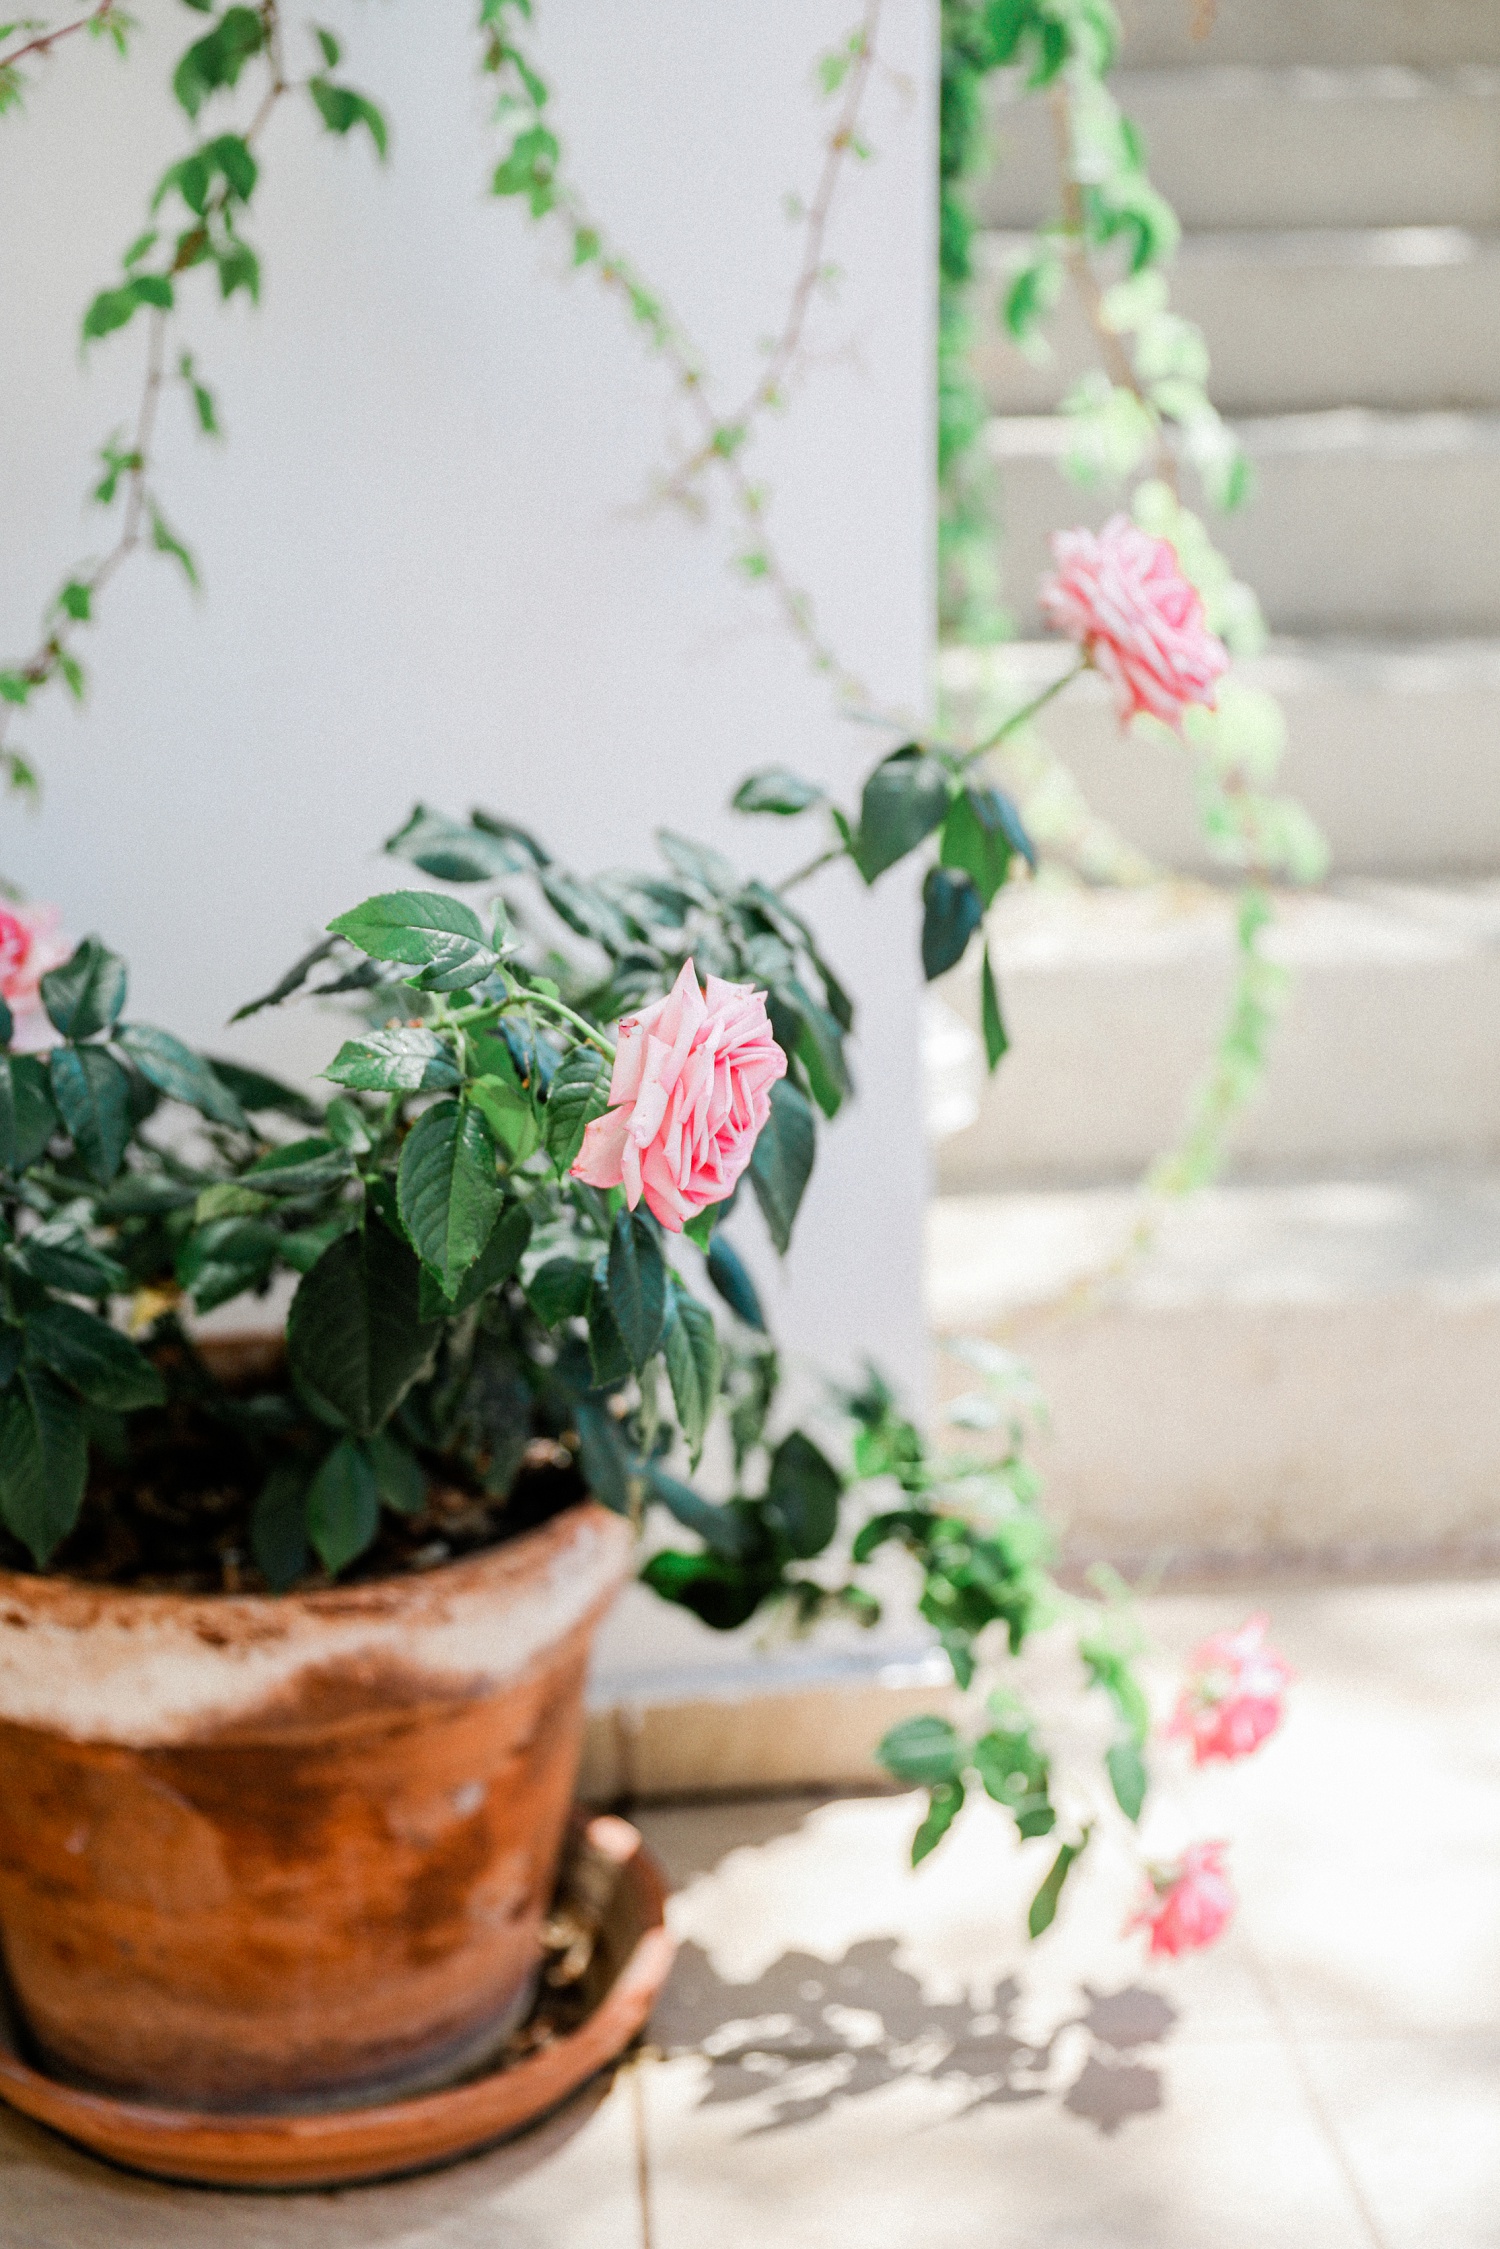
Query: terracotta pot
column 256, row 1852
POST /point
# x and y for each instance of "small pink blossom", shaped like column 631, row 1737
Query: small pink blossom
column 690, row 1092
column 30, row 944
column 1123, row 598
column 1187, row 1905
column 1235, row 1696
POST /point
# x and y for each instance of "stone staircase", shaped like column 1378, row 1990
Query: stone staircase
column 1309, row 1360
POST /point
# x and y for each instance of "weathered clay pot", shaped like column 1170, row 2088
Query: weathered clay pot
column 259, row 1851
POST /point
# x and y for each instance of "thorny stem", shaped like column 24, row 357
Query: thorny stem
column 47, row 657
column 1076, row 257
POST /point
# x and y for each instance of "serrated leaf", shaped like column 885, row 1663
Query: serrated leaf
column 448, row 1189
column 495, row 1264
column 343, row 1507
column 777, row 790
column 422, row 929
column 559, row 1290
column 60, row 1257
column 509, row 1113
column 803, row 1495
column 87, row 992
column 782, row 1161
column 355, row 1338
column 579, row 1093
column 602, row 1456
column 28, row 1117
column 694, row 1367
column 43, row 1462
column 93, row 1357
column 341, row 109
column 904, row 799
column 452, row 852
column 256, row 1091
column 180, row 1074
column 302, row 1167
column 92, row 1096
column 637, row 1287
column 727, row 1272
column 405, row 1060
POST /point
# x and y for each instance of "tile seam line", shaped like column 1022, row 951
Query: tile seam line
column 1311, row 2093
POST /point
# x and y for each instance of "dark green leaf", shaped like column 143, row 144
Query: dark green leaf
column 218, row 59
column 293, row 981
column 579, row 1093
column 343, row 1506
column 776, row 790
column 602, row 1455
column 1014, row 1773
column 92, row 1356
column 979, row 839
column 255, row 1091
column 1044, row 1905
column 922, row 1751
column 405, row 1060
column 7, row 1023
column 180, row 1074
column 904, row 799
column 608, row 1356
column 302, row 1167
column 448, row 1189
column 952, row 911
column 782, row 1162
column 87, row 992
column 278, row 1526
column 693, row 1366
column 451, row 852
column 27, row 1116
column 62, row 1258
column 399, row 1476
column 341, row 109
column 355, row 1337
column 721, row 1594
column 508, row 831
column 725, row 1531
column 996, row 1040
column 423, row 929
column 496, row 1263
column 698, row 863
column 559, row 1290
column 1127, row 1777
column 734, row 1284
column 637, row 1286
column 803, row 1495
column 92, row 1095
column 44, row 1458
column 944, row 1803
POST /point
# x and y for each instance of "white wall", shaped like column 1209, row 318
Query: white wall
column 427, row 567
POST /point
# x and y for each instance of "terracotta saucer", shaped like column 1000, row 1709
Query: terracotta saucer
column 612, row 1882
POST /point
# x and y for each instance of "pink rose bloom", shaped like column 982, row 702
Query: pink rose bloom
column 1123, row 598
column 1187, row 1905
column 30, row 945
column 691, row 1090
column 1235, row 1696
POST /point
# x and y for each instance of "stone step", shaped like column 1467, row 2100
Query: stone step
column 1388, row 1049
column 1298, row 1371
column 1361, row 523
column 1244, row 147
column 1397, row 318
column 1391, row 746
column 1431, row 33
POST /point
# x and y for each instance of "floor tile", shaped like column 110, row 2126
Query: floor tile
column 1418, row 2120
column 569, row 2185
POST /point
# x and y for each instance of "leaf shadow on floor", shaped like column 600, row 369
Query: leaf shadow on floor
column 811, row 2033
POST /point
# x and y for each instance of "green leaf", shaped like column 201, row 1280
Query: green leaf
column 302, row 1167
column 93, row 1357
column 602, row 1455
column 423, row 929
column 495, row 1264
column 952, row 911
column 979, row 839
column 782, row 1162
column 1015, row 1774
column 330, row 47
column 904, row 800
column 278, row 1526
column 803, row 1495
column 7, row 1023
column 231, row 156
column 255, row 1091
column 637, row 1286
column 44, row 1459
column 922, row 1751
column 180, row 1074
column 27, row 1116
column 777, row 790
column 609, row 1357
column 451, row 852
column 720, row 1593
column 87, row 993
column 729, row 1277
column 355, row 1338
column 1044, row 1905
column 92, row 1095
column 699, row 863
column 559, row 1290
column 341, row 109
column 944, row 1803
column 218, row 59
column 694, row 1367
column 728, row 1532
column 448, row 1189
column 60, row 1257
column 166, row 541
column 399, row 1476
column 509, row 1113
column 579, row 1093
column 405, row 1060
column 996, row 1039
column 1127, row 1777
column 225, row 1256
column 343, row 1506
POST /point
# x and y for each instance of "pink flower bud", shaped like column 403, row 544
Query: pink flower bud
column 1187, row 1905
column 1123, row 598
column 1235, row 1696
column 690, row 1092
